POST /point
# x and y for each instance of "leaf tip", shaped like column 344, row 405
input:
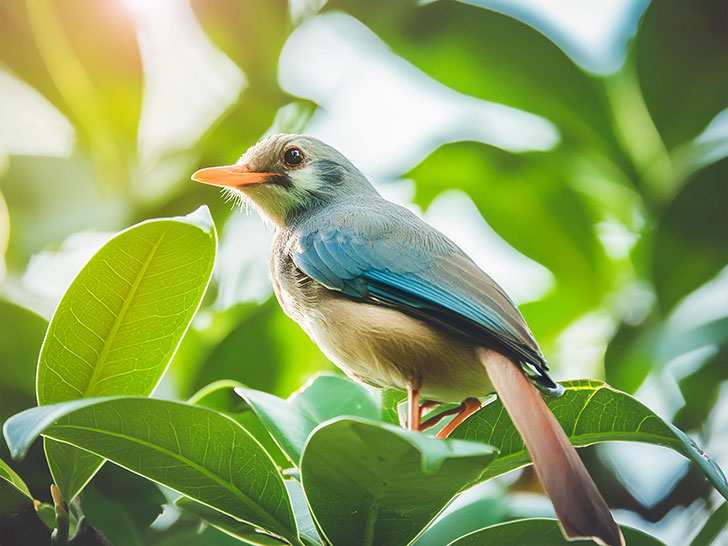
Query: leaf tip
column 17, row 451
column 202, row 218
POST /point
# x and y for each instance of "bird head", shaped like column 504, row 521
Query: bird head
column 286, row 175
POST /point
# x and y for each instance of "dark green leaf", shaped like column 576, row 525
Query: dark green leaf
column 120, row 322
column 13, row 491
column 716, row 524
column 683, row 81
column 690, row 242
column 324, row 397
column 544, row 532
column 372, row 483
column 106, row 515
column 589, row 412
column 195, row 451
column 20, row 343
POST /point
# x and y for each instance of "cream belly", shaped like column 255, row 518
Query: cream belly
column 387, row 348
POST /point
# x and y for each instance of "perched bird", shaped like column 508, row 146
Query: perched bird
column 395, row 303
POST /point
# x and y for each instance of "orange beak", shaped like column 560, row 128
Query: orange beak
column 230, row 175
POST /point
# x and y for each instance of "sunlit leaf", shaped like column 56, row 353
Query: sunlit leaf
column 544, row 532
column 120, row 322
column 221, row 397
column 589, row 412
column 325, row 397
column 373, row 483
column 13, row 491
column 193, row 450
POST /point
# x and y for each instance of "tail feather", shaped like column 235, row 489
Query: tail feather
column 579, row 506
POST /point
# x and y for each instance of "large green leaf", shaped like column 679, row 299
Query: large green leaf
column 250, row 534
column 690, row 241
column 195, row 451
column 325, row 397
column 683, row 81
column 544, row 532
column 120, row 322
column 221, row 397
column 227, row 524
column 589, row 411
column 371, row 483
column 491, row 56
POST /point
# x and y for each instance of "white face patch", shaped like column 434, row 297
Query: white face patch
column 273, row 201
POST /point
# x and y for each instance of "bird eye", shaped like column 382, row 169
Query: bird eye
column 293, row 156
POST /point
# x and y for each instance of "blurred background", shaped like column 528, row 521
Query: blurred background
column 575, row 149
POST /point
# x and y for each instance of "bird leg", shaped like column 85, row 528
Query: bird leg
column 432, row 421
column 413, row 404
column 464, row 410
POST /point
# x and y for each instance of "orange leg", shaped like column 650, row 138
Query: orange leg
column 415, row 412
column 464, row 410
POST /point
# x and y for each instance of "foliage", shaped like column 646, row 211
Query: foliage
column 626, row 210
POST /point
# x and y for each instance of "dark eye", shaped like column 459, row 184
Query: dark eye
column 293, row 156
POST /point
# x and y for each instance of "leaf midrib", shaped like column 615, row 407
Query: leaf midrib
column 98, row 368
column 154, row 447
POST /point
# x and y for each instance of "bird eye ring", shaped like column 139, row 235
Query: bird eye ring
column 293, row 157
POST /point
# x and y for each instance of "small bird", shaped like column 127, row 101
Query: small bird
column 394, row 303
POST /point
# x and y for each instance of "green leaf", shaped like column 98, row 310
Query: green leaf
column 120, row 322
column 372, row 483
column 717, row 523
column 221, row 397
column 227, row 524
column 544, row 532
column 589, row 411
column 324, row 397
column 13, row 491
column 690, row 246
column 248, row 533
column 20, row 343
column 681, row 94
column 306, row 525
column 195, row 451
column 9, row 475
column 490, row 56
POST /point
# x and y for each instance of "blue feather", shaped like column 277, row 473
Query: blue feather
column 449, row 289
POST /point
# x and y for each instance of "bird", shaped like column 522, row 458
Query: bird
column 394, row 303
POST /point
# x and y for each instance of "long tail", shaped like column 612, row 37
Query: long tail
column 579, row 506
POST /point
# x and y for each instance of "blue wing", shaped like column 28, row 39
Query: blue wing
column 437, row 284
